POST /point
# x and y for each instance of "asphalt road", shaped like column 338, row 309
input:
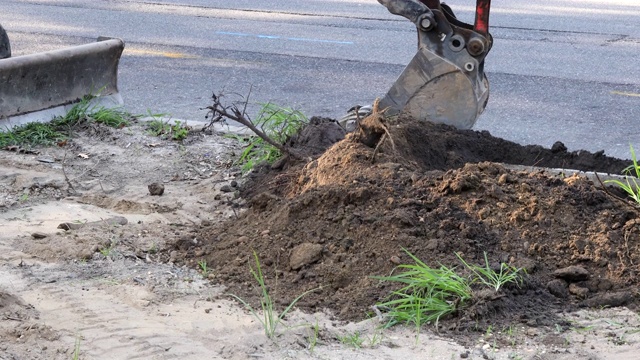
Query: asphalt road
column 564, row 70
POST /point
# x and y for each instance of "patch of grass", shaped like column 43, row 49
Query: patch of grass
column 489, row 332
column 494, row 279
column 376, row 338
column 432, row 293
column 31, row 134
column 632, row 174
column 107, row 252
column 203, row 267
column 60, row 128
column 270, row 319
column 115, row 118
column 278, row 123
column 428, row 295
column 354, row 340
column 177, row 131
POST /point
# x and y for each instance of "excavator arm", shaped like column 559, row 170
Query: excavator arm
column 445, row 81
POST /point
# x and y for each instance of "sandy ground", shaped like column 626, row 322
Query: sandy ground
column 112, row 291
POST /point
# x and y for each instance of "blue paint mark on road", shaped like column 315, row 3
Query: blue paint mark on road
column 276, row 37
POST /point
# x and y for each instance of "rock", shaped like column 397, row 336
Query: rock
column 305, row 254
column 226, row 188
column 46, row 159
column 558, row 147
column 156, row 189
column 558, row 288
column 173, row 255
column 38, row 235
column 532, row 332
column 572, row 273
column 116, row 220
column 578, row 291
column 608, row 300
column 395, row 259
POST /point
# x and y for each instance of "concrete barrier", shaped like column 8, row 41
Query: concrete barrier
column 5, row 46
column 37, row 87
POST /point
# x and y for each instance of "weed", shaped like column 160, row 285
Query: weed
column 31, row 134
column 428, row 295
column 85, row 112
column 516, row 356
column 76, row 349
column 510, row 331
column 270, row 318
column 431, row 293
column 314, row 336
column 108, row 251
column 115, row 118
column 494, row 279
column 24, row 197
column 203, row 267
column 489, row 331
column 60, row 127
column 278, row 123
column 376, row 338
column 559, row 329
column 178, row 131
column 630, row 185
column 354, row 340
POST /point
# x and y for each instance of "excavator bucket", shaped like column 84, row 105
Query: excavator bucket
column 40, row 86
column 445, row 81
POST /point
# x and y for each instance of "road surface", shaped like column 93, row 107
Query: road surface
column 559, row 70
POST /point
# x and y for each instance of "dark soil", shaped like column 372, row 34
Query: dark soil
column 336, row 221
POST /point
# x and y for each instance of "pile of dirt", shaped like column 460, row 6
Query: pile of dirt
column 336, row 221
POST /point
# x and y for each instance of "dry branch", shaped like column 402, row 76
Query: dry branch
column 219, row 112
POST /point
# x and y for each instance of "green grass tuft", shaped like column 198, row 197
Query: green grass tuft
column 632, row 174
column 270, row 319
column 278, row 123
column 61, row 127
column 429, row 294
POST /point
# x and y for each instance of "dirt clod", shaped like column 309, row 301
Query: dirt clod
column 156, row 189
column 558, row 288
column 304, row 254
column 572, row 273
column 620, row 298
column 38, row 235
